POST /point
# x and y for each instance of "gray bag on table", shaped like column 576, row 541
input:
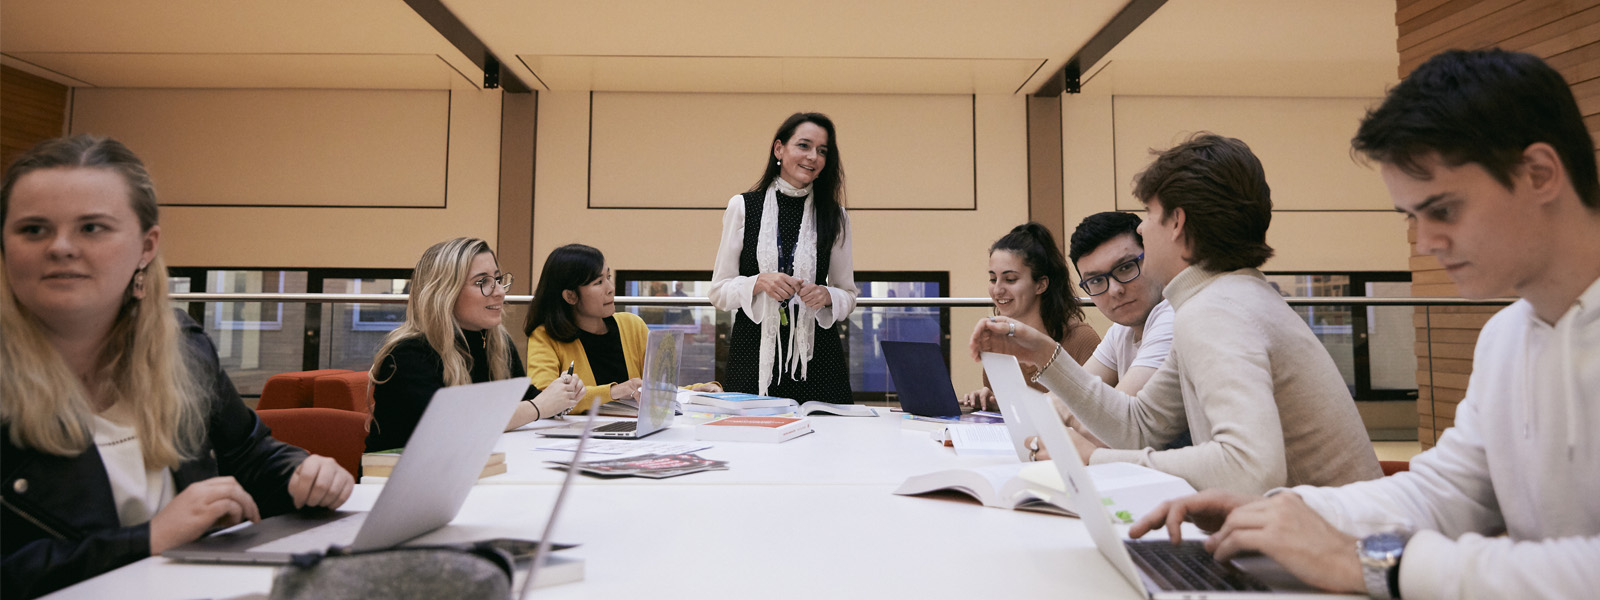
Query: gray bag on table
column 472, row 571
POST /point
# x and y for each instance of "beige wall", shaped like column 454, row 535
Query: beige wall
column 1332, row 213
column 260, row 145
column 884, row 240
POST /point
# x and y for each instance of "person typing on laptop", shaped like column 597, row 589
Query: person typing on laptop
column 1264, row 402
column 122, row 435
column 453, row 335
column 1486, row 152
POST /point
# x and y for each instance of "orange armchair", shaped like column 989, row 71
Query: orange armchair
column 337, row 434
column 291, row 390
column 343, row 391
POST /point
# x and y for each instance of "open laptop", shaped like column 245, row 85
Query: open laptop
column 661, row 358
column 920, row 378
column 437, row 470
column 1153, row 566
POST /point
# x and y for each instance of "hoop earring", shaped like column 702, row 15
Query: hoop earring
column 138, row 284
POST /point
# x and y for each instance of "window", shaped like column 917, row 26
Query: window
column 1372, row 346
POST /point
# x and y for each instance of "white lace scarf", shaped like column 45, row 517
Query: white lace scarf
column 801, row 317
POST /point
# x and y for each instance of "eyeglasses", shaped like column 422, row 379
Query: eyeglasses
column 1124, row 273
column 487, row 284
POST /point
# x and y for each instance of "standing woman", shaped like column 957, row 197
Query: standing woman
column 122, row 435
column 452, row 336
column 1028, row 282
column 784, row 266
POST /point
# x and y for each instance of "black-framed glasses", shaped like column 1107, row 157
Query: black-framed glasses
column 1124, row 272
column 487, row 284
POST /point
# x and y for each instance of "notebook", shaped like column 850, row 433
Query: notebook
column 661, row 358
column 1153, row 566
column 440, row 465
column 921, row 379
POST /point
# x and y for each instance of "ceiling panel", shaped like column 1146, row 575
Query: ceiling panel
column 232, row 71
column 780, row 74
column 284, row 43
column 834, row 46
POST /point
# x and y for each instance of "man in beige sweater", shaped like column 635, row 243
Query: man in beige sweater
column 1264, row 401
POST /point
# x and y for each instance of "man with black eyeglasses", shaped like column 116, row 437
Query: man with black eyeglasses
column 1261, row 397
column 1108, row 252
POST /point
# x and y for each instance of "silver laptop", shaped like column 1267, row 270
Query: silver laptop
column 1155, row 566
column 440, row 464
column 661, row 359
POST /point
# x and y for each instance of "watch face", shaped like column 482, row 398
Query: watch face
column 1383, row 545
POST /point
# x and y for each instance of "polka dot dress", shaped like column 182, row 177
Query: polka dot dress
column 827, row 376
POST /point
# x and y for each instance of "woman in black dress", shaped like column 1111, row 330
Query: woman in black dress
column 784, row 267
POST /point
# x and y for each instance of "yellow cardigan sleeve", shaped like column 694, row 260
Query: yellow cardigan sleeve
column 548, row 359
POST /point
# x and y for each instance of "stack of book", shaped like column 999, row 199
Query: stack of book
column 381, row 464
column 753, row 429
column 734, row 403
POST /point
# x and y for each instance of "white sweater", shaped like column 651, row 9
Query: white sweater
column 1262, row 398
column 1522, row 459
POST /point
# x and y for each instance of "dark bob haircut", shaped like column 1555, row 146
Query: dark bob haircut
column 568, row 268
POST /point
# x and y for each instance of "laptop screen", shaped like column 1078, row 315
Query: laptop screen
column 661, row 360
column 921, row 378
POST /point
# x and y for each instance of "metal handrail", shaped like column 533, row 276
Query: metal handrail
column 693, row 301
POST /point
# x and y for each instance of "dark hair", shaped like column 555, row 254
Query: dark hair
column 568, row 268
column 1222, row 189
column 1099, row 228
column 1057, row 305
column 90, row 151
column 1484, row 107
column 827, row 190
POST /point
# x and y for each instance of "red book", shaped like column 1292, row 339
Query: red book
column 753, row 429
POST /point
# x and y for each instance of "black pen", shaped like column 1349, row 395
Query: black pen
column 570, row 366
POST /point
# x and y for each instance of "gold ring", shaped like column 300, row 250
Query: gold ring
column 1033, row 455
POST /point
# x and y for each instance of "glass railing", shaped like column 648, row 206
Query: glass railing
column 1388, row 349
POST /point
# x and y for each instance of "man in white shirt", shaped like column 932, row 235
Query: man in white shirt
column 1487, row 153
column 1109, row 254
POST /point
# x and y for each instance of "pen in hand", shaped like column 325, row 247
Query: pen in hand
column 570, row 366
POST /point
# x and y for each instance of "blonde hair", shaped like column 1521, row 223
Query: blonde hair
column 430, row 314
column 143, row 362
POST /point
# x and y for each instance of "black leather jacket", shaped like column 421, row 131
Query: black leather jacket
column 59, row 525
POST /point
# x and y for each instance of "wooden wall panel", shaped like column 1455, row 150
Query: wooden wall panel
column 34, row 110
column 1566, row 34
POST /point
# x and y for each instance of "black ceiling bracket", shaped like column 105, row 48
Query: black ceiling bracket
column 495, row 73
column 1066, row 81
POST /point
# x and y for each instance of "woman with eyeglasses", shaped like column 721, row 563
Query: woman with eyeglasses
column 574, row 324
column 453, row 336
column 1028, row 282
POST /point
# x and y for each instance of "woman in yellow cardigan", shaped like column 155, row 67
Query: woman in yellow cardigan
column 574, row 321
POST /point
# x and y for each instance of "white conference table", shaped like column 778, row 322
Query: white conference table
column 733, row 541
column 811, row 517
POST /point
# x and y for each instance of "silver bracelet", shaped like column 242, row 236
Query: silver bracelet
column 1053, row 355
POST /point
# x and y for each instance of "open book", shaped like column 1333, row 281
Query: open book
column 1129, row 491
column 843, row 410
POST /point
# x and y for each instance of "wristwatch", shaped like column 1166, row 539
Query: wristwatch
column 1380, row 563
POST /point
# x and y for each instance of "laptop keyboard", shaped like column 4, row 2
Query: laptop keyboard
column 341, row 532
column 1188, row 566
column 617, row 427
